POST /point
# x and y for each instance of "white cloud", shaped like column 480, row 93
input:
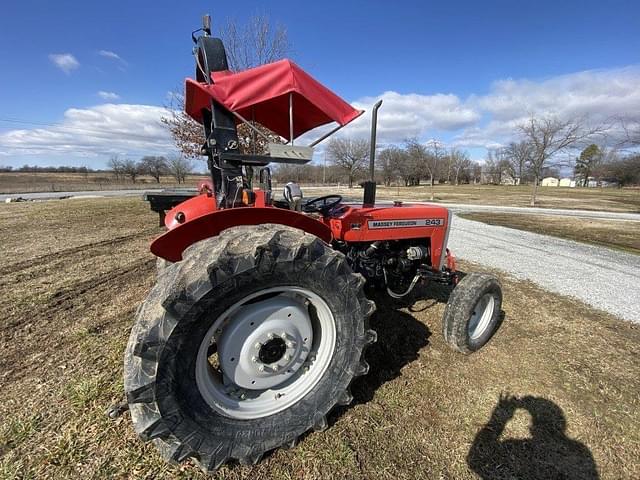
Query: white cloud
column 479, row 121
column 109, row 96
column 97, row 131
column 491, row 120
column 601, row 96
column 112, row 55
column 408, row 115
column 64, row 61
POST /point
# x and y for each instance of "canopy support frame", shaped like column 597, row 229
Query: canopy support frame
column 291, row 117
column 327, row 135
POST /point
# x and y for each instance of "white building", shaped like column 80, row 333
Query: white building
column 567, row 182
column 549, row 182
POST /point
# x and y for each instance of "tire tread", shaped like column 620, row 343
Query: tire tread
column 179, row 288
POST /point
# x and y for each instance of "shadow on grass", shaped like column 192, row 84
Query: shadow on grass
column 547, row 454
column 400, row 338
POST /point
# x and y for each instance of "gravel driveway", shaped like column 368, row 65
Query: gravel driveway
column 603, row 278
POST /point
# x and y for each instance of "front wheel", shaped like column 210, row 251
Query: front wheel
column 245, row 345
column 472, row 315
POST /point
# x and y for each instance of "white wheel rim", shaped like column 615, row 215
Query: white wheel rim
column 481, row 316
column 293, row 325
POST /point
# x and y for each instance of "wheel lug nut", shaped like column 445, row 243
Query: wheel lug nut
column 275, row 368
column 287, row 357
column 254, row 359
column 270, row 336
column 283, row 335
column 258, row 345
column 261, row 368
column 290, row 344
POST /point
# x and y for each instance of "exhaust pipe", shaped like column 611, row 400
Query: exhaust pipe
column 370, row 185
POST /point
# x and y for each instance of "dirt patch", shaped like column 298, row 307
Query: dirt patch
column 622, row 235
column 422, row 412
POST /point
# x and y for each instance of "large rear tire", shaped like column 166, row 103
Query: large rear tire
column 245, row 345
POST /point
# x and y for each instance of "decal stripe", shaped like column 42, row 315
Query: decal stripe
column 405, row 223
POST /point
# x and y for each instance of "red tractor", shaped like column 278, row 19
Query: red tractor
column 259, row 319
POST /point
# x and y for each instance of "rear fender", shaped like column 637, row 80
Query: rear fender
column 189, row 210
column 171, row 244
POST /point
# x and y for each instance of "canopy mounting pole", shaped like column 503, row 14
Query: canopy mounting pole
column 325, row 136
column 291, row 117
column 253, row 132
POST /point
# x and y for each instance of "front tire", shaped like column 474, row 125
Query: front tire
column 215, row 370
column 472, row 314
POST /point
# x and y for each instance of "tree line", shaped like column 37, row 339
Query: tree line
column 40, row 169
column 542, row 147
column 176, row 166
column 346, row 161
column 123, row 169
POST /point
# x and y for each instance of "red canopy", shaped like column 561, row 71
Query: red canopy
column 262, row 94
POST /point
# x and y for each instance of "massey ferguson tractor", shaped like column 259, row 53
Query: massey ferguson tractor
column 258, row 321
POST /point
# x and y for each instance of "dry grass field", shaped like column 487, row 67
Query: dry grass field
column 24, row 182
column 610, row 199
column 619, row 234
column 74, row 271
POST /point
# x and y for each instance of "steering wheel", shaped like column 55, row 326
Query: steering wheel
column 322, row 205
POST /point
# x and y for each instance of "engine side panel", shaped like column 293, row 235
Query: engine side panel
column 397, row 222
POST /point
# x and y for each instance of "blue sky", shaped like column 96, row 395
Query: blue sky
column 464, row 72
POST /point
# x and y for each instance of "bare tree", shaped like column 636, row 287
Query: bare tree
column 349, row 154
column 115, row 165
column 631, row 128
column 446, row 166
column 460, row 164
column 437, row 151
column 416, row 157
column 255, row 43
column 394, row 164
column 497, row 166
column 433, row 160
column 476, row 172
column 624, row 170
column 518, row 154
column 131, row 169
column 549, row 136
column 408, row 167
column 187, row 134
column 179, row 166
column 155, row 166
